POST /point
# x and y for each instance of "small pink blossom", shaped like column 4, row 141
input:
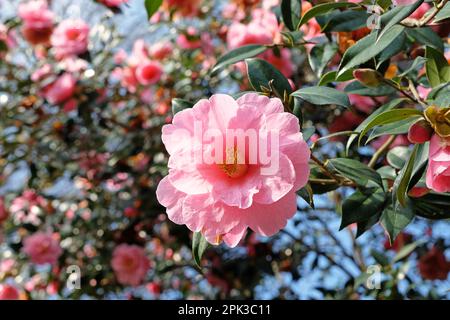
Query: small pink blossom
column 8, row 292
column 438, row 172
column 130, row 264
column 61, row 90
column 222, row 200
column 189, row 40
column 42, row 248
column 148, row 72
column 70, row 38
column 37, row 21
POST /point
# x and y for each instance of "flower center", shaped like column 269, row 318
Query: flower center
column 72, row 34
column 232, row 166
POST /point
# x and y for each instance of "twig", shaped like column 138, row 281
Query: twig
column 381, row 151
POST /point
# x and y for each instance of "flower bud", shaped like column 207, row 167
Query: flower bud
column 368, row 77
column 420, row 131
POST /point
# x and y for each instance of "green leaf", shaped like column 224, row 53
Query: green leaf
column 180, row 104
column 440, row 96
column 395, row 128
column 401, row 13
column 291, row 11
column 400, row 187
column 395, row 220
column 391, row 50
column 345, row 21
column 388, row 106
column 323, row 9
column 443, row 14
column 380, row 257
column 368, row 47
column 322, row 96
column 414, row 66
column 389, row 117
column 356, row 171
column 307, row 194
column 356, row 87
column 363, row 226
column 320, row 55
column 427, row 37
column 397, row 156
column 199, row 245
column 361, row 206
column 437, row 68
column 261, row 73
column 239, row 54
column 151, row 6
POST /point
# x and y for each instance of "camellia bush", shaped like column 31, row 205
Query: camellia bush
column 119, row 179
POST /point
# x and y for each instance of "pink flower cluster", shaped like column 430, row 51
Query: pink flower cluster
column 262, row 29
column 142, row 66
column 130, row 264
column 70, row 38
column 42, row 248
column 37, row 21
column 221, row 200
column 27, row 207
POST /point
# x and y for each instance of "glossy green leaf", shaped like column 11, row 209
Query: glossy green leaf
column 395, row 220
column 356, row 87
column 361, row 206
column 427, row 37
column 324, row 8
column 261, row 73
column 400, row 187
column 239, row 54
column 322, row 96
column 291, row 11
column 320, row 55
column 151, row 6
column 356, row 171
column 443, row 14
column 388, row 106
column 389, row 117
column 437, row 67
column 368, row 47
column 199, row 245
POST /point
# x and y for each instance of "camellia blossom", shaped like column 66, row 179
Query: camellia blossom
column 70, row 38
column 8, row 292
column 438, row 172
column 222, row 198
column 130, row 264
column 42, row 248
column 37, row 21
column 61, row 90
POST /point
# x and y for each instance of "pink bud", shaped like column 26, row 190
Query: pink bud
column 420, row 131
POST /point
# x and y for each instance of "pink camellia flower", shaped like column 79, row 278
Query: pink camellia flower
column 438, row 172
column 61, row 90
column 222, row 197
column 421, row 10
column 148, row 72
column 130, row 264
column 8, row 292
column 37, row 21
column 403, row 2
column 70, row 38
column 42, row 248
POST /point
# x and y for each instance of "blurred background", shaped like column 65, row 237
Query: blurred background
column 85, row 87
